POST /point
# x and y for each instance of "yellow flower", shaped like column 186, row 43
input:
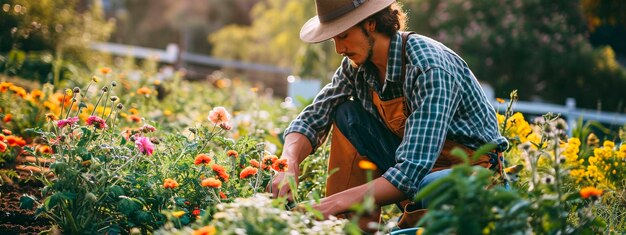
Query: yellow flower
column 178, row 214
column 367, row 165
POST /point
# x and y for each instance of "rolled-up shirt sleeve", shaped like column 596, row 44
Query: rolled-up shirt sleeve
column 315, row 120
column 433, row 97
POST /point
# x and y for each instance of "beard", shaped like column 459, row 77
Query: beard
column 370, row 52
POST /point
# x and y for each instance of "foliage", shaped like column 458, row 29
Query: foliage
column 273, row 28
column 537, row 47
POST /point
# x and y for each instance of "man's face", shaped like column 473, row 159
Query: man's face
column 355, row 44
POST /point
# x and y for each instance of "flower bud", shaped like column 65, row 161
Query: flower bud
column 105, row 89
column 120, row 106
column 113, row 84
column 114, row 98
column 95, row 79
column 76, row 90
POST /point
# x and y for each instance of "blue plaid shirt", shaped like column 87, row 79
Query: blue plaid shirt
column 444, row 98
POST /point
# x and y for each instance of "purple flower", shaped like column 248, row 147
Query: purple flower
column 144, row 145
column 97, row 122
column 69, row 121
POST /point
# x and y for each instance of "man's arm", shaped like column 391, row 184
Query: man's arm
column 297, row 148
column 381, row 189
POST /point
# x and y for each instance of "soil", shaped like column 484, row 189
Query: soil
column 13, row 219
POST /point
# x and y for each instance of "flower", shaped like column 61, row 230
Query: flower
column 500, row 100
column 3, row 147
column 232, row 153
column 178, row 214
column 223, row 195
column 211, row 183
column 144, row 145
column 280, row 165
column 219, row 115
column 590, row 191
column 206, row 230
column 7, row 132
column 44, row 149
column 68, row 121
column 255, row 163
column 221, row 172
column 105, row 70
column 170, row 183
column 367, row 165
column 135, row 118
column 15, row 141
column 144, row 91
column 97, row 122
column 202, row 159
column 247, row 172
column 268, row 161
column 195, row 212
column 7, row 117
column 51, row 116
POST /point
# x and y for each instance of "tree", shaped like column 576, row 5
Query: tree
column 538, row 47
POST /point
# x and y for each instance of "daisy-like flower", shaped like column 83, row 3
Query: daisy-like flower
column 280, row 165
column 68, row 121
column 268, row 161
column 144, row 91
column 51, row 116
column 219, row 115
column 211, row 183
column 248, row 172
column 144, row 145
column 202, row 159
column 97, row 122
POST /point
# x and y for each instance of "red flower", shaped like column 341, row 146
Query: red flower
column 590, row 191
column 255, row 163
column 222, row 195
column 3, row 147
column 280, row 165
column 268, row 161
column 97, row 122
column 232, row 153
column 221, row 172
column 195, row 212
column 7, row 117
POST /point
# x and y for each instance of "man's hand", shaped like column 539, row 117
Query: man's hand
column 279, row 187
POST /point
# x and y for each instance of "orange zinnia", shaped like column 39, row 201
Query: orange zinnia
column 15, row 141
column 7, row 117
column 280, row 165
column 222, row 195
column 232, row 153
column 268, row 161
column 255, row 163
column 202, row 159
column 248, row 172
column 7, row 132
column 3, row 147
column 221, row 172
column 135, row 118
column 105, row 70
column 590, row 191
column 211, row 183
column 44, row 149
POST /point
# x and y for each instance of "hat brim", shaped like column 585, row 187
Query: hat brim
column 313, row 31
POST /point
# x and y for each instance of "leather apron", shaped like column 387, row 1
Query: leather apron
column 344, row 158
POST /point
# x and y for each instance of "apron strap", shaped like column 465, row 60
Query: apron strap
column 405, row 37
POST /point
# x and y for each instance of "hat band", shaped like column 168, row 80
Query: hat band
column 340, row 11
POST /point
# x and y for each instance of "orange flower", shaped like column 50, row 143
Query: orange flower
column 133, row 111
column 255, row 163
column 590, row 191
column 3, row 147
column 268, row 161
column 7, row 117
column 367, row 165
column 280, row 165
column 195, row 212
column 170, row 183
column 232, row 153
column 15, row 141
column 44, row 149
column 500, row 100
column 222, row 195
column 6, row 132
column 221, row 172
column 105, row 70
column 206, row 230
column 36, row 94
column 4, row 86
column 144, row 91
column 211, row 183
column 202, row 159
column 135, row 118
column 248, row 172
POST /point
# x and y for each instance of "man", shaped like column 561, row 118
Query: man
column 400, row 103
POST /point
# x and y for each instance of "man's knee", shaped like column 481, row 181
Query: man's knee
column 346, row 114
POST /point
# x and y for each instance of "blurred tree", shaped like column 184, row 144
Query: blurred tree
column 273, row 38
column 52, row 34
column 538, row 47
column 606, row 20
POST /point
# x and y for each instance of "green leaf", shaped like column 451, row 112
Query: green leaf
column 458, row 152
column 430, row 188
column 26, row 202
column 127, row 206
column 483, row 150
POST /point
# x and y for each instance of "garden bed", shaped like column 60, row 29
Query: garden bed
column 15, row 220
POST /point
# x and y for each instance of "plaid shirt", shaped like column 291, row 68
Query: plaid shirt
column 444, row 98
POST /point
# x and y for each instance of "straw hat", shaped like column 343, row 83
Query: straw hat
column 336, row 16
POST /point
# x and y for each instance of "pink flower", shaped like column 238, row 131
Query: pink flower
column 97, row 122
column 219, row 115
column 147, row 128
column 144, row 145
column 69, row 121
